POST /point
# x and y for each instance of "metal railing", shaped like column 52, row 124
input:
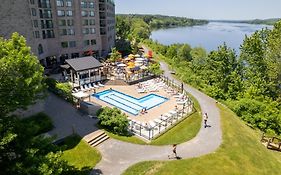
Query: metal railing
column 151, row 130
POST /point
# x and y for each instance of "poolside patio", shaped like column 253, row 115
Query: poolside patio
column 157, row 119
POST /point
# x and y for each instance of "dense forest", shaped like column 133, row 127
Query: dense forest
column 161, row 21
column 271, row 21
column 249, row 83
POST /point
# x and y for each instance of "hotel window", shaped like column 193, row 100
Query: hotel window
column 92, row 30
column 70, row 32
column 47, row 14
column 64, row 44
column 61, row 13
column 62, row 22
column 68, row 3
column 69, row 13
column 44, row 3
column 72, row 43
column 33, row 12
column 48, row 34
column 93, row 42
column 31, row 1
column 35, row 23
column 91, row 13
column 84, row 13
column 92, row 22
column 83, row 4
column 85, row 31
column 63, row 32
column 86, row 42
column 59, row 3
column 36, row 34
column 91, row 5
column 70, row 22
column 40, row 49
column 85, row 22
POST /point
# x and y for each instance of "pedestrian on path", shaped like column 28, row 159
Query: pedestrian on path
column 205, row 117
column 174, row 152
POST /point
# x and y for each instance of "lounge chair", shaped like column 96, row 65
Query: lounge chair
column 91, row 87
column 83, row 89
column 179, row 95
column 152, row 124
column 101, row 85
column 95, row 86
column 141, row 91
column 86, row 87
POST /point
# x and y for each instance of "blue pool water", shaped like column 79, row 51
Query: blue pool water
column 128, row 103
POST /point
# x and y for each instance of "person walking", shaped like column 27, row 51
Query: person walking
column 205, row 117
column 174, row 151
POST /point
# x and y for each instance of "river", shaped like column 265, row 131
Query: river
column 208, row 36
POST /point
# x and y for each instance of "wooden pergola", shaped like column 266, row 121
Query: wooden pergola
column 84, row 70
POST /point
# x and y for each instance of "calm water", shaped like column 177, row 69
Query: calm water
column 208, row 36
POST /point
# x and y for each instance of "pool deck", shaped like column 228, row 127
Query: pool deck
column 152, row 113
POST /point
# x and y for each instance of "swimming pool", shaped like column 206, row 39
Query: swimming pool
column 128, row 103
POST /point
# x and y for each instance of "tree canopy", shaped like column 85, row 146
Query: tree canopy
column 20, row 75
column 249, row 83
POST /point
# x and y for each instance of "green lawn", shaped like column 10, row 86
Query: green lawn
column 79, row 154
column 240, row 153
column 182, row 132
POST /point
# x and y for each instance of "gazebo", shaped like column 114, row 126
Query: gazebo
column 84, row 70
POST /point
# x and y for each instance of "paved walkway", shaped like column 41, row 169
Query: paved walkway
column 117, row 156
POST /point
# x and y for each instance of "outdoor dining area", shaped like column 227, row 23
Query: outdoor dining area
column 131, row 68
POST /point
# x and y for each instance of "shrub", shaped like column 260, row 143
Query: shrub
column 113, row 120
column 38, row 123
column 61, row 89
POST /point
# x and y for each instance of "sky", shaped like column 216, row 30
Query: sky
column 203, row 9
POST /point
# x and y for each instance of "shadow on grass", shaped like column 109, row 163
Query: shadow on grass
column 69, row 142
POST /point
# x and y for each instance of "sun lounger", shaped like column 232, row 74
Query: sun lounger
column 101, row 85
column 179, row 95
column 90, row 86
column 173, row 112
column 83, row 89
column 86, row 87
column 95, row 86
column 163, row 117
column 181, row 102
column 158, row 121
column 141, row 90
column 152, row 124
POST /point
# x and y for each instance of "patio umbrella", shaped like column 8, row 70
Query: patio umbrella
column 130, row 67
column 138, row 61
column 131, row 56
column 121, row 65
column 131, row 64
column 137, row 55
column 127, row 59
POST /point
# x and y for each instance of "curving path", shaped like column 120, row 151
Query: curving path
column 117, row 156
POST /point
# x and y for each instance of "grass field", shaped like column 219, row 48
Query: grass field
column 79, row 154
column 240, row 153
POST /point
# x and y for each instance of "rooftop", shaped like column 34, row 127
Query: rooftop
column 83, row 63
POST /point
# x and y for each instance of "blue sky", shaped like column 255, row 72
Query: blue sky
column 203, row 9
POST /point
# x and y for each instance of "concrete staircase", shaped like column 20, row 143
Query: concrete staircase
column 96, row 138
